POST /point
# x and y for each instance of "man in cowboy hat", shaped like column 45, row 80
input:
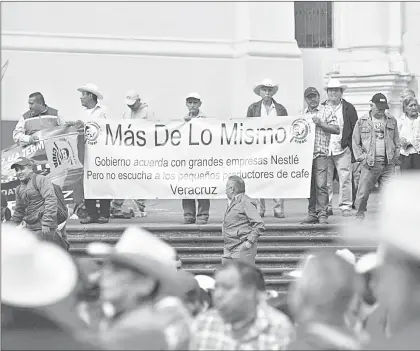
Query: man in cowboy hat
column 137, row 109
column 397, row 228
column 35, row 276
column 268, row 107
column 195, row 211
column 92, row 110
column 141, row 289
column 376, row 144
column 326, row 124
column 340, row 154
column 39, row 117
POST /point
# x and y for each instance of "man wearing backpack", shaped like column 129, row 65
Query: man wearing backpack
column 36, row 203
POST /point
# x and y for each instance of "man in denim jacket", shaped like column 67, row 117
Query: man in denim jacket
column 376, row 144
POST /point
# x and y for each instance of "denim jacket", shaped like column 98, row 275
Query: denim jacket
column 364, row 140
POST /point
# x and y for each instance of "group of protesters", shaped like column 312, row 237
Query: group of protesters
column 361, row 152
column 139, row 297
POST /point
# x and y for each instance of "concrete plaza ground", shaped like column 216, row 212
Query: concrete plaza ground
column 170, row 211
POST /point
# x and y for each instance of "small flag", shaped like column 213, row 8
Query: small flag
column 62, row 153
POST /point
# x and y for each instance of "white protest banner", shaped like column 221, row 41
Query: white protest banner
column 62, row 153
column 176, row 159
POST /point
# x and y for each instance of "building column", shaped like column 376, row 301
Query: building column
column 370, row 59
column 265, row 47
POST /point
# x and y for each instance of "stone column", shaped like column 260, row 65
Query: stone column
column 265, row 47
column 370, row 60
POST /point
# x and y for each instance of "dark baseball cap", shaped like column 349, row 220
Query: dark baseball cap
column 22, row 161
column 380, row 101
column 311, row 90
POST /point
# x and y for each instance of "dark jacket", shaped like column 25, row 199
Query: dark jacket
column 350, row 119
column 254, row 110
column 241, row 222
column 36, row 208
column 364, row 140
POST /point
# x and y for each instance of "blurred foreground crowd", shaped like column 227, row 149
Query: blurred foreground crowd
column 140, row 298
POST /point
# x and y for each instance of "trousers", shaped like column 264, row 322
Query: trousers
column 104, row 208
column 278, row 206
column 241, row 252
column 191, row 211
column 380, row 172
column 318, row 200
column 342, row 163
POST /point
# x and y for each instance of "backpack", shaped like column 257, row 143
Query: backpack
column 62, row 211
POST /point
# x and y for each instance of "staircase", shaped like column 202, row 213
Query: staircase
column 200, row 247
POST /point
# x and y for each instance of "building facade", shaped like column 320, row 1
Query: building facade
column 217, row 49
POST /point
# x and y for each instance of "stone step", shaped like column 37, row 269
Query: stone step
column 200, row 247
column 112, row 228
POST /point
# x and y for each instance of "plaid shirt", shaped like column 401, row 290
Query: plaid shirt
column 322, row 139
column 270, row 331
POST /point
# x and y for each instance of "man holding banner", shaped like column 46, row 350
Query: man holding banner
column 92, row 109
column 39, row 117
column 193, row 102
column 326, row 124
column 268, row 107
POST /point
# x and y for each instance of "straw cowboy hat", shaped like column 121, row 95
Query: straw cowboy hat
column 91, row 88
column 34, row 273
column 335, row 83
column 142, row 251
column 266, row 83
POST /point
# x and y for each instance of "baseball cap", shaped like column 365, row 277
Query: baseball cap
column 193, row 96
column 131, row 97
column 22, row 161
column 311, row 90
column 380, row 101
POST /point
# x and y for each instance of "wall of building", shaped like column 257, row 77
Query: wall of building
column 217, row 49
column 316, row 64
column 411, row 41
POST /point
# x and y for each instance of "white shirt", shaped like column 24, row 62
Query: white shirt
column 409, row 129
column 271, row 111
column 99, row 111
column 335, row 140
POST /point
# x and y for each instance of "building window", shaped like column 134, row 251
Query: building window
column 313, row 24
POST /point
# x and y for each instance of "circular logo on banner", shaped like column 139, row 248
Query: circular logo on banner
column 92, row 132
column 299, row 130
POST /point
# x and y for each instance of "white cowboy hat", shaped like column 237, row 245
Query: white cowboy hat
column 140, row 250
column 34, row 273
column 347, row 256
column 205, row 282
column 91, row 88
column 266, row 83
column 367, row 262
column 335, row 83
